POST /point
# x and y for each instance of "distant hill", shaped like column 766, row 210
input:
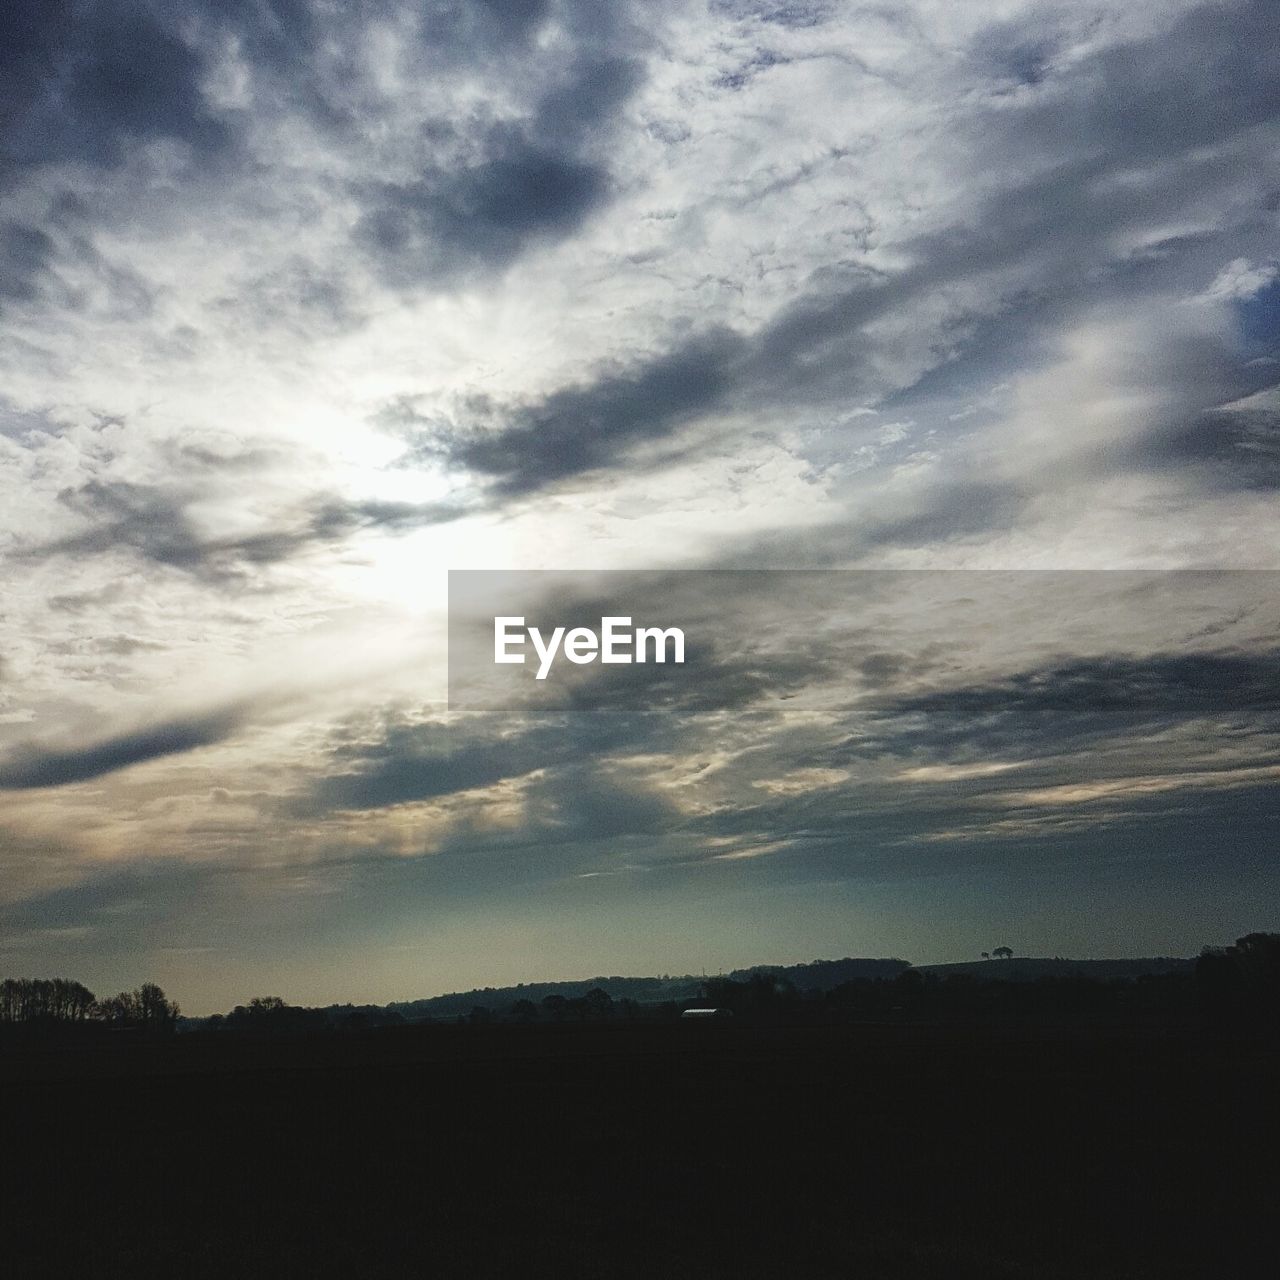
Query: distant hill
column 819, row 975
column 816, row 976
column 1029, row 968
column 500, row 999
column 823, row 975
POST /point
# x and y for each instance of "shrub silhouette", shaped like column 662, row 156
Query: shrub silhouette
column 1241, row 983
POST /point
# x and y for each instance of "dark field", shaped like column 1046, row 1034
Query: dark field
column 644, row 1150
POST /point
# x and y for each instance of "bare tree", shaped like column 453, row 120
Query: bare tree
column 146, row 1007
column 158, row 1012
column 48, row 1000
column 266, row 1006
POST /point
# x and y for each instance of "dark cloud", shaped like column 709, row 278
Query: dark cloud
column 623, row 710
column 25, row 253
column 291, row 48
column 808, row 354
column 304, row 54
column 1065, row 707
column 584, row 803
column 594, row 424
column 91, row 82
column 796, row 13
column 82, row 82
column 1066, row 725
column 482, row 215
column 1133, row 840
column 1212, row 75
column 154, row 523
column 505, row 186
column 30, row 766
column 1010, row 52
column 1161, row 99
column 597, row 86
column 1231, row 450
column 1104, row 707
column 892, row 677
column 402, row 761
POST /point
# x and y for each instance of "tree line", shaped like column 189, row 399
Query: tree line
column 1235, row 985
column 61, row 1002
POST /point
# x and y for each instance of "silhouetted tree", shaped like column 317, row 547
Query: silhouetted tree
column 762, row 995
column 598, row 1003
column 272, row 1015
column 1242, row 981
column 119, row 1010
column 1259, row 959
column 159, row 1013
column 1002, row 953
column 147, row 1007
column 45, row 1000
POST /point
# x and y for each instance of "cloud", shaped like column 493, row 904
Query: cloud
column 1053, row 709
column 404, row 761
column 1204, row 79
column 1236, row 448
column 502, row 186
column 442, row 195
column 482, row 214
column 29, row 767
column 398, row 758
column 787, row 13
column 592, row 425
column 1012, row 253
column 828, row 710
column 83, row 83
column 155, row 523
column 24, row 256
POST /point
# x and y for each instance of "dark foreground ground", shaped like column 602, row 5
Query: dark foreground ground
column 643, row 1151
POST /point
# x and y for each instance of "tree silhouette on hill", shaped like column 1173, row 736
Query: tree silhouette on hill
column 56, row 1002
column 1243, row 981
column 147, row 1007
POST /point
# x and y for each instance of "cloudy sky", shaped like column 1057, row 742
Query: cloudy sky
column 304, row 304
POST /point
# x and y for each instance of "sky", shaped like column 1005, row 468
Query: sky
column 305, row 304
